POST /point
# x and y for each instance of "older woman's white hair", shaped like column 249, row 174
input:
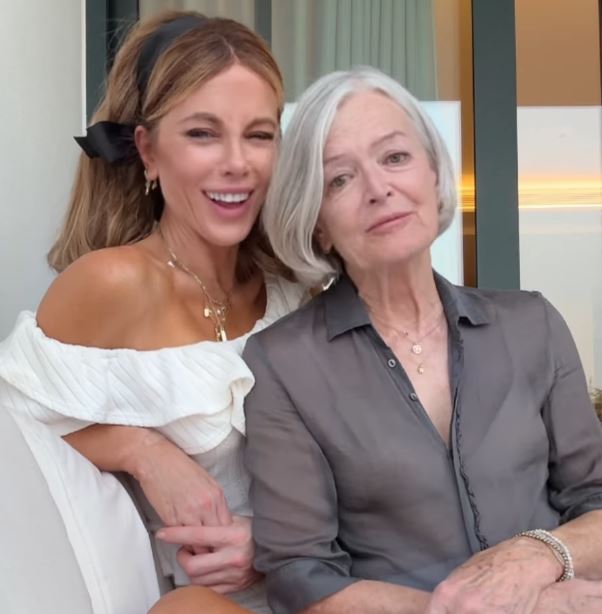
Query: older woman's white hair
column 290, row 213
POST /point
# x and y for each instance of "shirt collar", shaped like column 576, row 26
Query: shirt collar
column 345, row 310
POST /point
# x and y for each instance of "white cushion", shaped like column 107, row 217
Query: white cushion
column 38, row 568
column 104, row 566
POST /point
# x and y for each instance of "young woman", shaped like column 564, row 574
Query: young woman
column 163, row 275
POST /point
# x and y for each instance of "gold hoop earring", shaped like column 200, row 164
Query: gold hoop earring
column 149, row 184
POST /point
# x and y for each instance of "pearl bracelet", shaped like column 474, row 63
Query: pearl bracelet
column 557, row 547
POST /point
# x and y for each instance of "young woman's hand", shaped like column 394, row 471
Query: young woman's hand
column 226, row 562
column 180, row 491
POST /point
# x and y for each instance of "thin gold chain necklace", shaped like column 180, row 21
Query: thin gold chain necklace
column 416, row 348
column 215, row 310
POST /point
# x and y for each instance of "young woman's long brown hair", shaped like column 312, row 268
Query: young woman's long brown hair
column 108, row 205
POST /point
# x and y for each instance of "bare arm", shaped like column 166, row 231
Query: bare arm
column 108, row 299
column 179, row 490
column 368, row 597
column 117, row 448
column 195, row 600
column 97, row 303
column 94, row 303
column 580, row 596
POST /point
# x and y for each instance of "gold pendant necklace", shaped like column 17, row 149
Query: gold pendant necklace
column 214, row 310
column 416, row 347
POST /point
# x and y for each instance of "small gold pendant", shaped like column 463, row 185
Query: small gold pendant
column 416, row 348
column 220, row 333
column 207, row 312
column 420, row 369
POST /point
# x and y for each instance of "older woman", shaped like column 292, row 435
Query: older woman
column 414, row 446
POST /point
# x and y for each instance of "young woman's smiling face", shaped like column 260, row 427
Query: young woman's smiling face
column 213, row 155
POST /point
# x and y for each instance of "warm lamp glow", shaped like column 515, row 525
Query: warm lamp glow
column 545, row 194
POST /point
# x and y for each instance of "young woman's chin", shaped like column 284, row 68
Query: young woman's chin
column 224, row 233
column 228, row 237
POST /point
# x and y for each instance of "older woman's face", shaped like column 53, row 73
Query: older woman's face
column 380, row 204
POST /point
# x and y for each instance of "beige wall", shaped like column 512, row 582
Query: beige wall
column 452, row 32
column 453, row 49
column 557, row 47
column 558, row 52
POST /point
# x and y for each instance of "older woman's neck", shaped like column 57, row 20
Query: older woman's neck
column 399, row 295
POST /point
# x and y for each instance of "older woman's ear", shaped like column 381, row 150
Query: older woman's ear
column 324, row 241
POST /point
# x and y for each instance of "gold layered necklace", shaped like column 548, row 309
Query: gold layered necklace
column 416, row 344
column 214, row 309
column 416, row 348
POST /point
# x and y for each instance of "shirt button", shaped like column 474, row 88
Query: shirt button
column 391, row 362
column 413, row 396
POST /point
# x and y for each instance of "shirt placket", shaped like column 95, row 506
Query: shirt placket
column 469, row 509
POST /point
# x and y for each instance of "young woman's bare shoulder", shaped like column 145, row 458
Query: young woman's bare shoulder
column 98, row 298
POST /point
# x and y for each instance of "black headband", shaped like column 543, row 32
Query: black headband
column 114, row 142
column 158, row 42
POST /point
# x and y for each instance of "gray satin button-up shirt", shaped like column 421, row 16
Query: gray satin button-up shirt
column 351, row 480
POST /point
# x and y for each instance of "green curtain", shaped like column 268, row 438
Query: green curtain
column 314, row 37
column 241, row 10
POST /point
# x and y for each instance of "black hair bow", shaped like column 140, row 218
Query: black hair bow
column 110, row 141
column 114, row 142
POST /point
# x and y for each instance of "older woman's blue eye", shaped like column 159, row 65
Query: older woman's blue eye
column 338, row 182
column 397, row 157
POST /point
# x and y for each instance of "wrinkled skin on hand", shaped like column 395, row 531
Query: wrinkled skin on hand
column 570, row 597
column 506, row 579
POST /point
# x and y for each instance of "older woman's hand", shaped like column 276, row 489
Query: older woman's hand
column 509, row 577
column 227, row 565
column 568, row 597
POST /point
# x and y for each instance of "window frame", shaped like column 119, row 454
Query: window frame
column 495, row 125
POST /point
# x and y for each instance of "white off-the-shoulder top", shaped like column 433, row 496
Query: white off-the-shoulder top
column 193, row 394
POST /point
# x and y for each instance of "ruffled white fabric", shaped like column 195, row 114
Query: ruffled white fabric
column 194, row 394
